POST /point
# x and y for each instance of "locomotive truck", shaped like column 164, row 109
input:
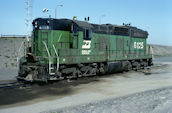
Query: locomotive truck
column 66, row 48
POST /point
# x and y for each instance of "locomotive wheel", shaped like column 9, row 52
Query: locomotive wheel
column 129, row 67
column 138, row 67
column 102, row 69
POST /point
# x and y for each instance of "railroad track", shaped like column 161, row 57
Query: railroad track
column 15, row 84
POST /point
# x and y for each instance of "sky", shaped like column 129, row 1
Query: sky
column 154, row 16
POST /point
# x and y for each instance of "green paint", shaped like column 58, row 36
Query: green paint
column 103, row 47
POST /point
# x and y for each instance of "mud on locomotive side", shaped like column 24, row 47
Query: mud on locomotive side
column 64, row 48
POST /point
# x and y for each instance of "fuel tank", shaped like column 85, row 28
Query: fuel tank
column 117, row 66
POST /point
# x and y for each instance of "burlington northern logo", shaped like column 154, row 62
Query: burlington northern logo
column 86, row 44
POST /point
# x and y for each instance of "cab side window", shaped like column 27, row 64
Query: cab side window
column 87, row 34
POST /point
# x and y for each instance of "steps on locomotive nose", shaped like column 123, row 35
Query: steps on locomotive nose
column 51, row 69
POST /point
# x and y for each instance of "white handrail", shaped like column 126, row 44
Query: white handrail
column 57, row 57
column 151, row 51
column 49, row 57
column 46, row 48
column 59, row 37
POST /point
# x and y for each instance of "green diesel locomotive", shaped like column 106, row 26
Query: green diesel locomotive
column 64, row 48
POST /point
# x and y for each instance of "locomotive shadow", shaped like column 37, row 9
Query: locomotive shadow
column 56, row 89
